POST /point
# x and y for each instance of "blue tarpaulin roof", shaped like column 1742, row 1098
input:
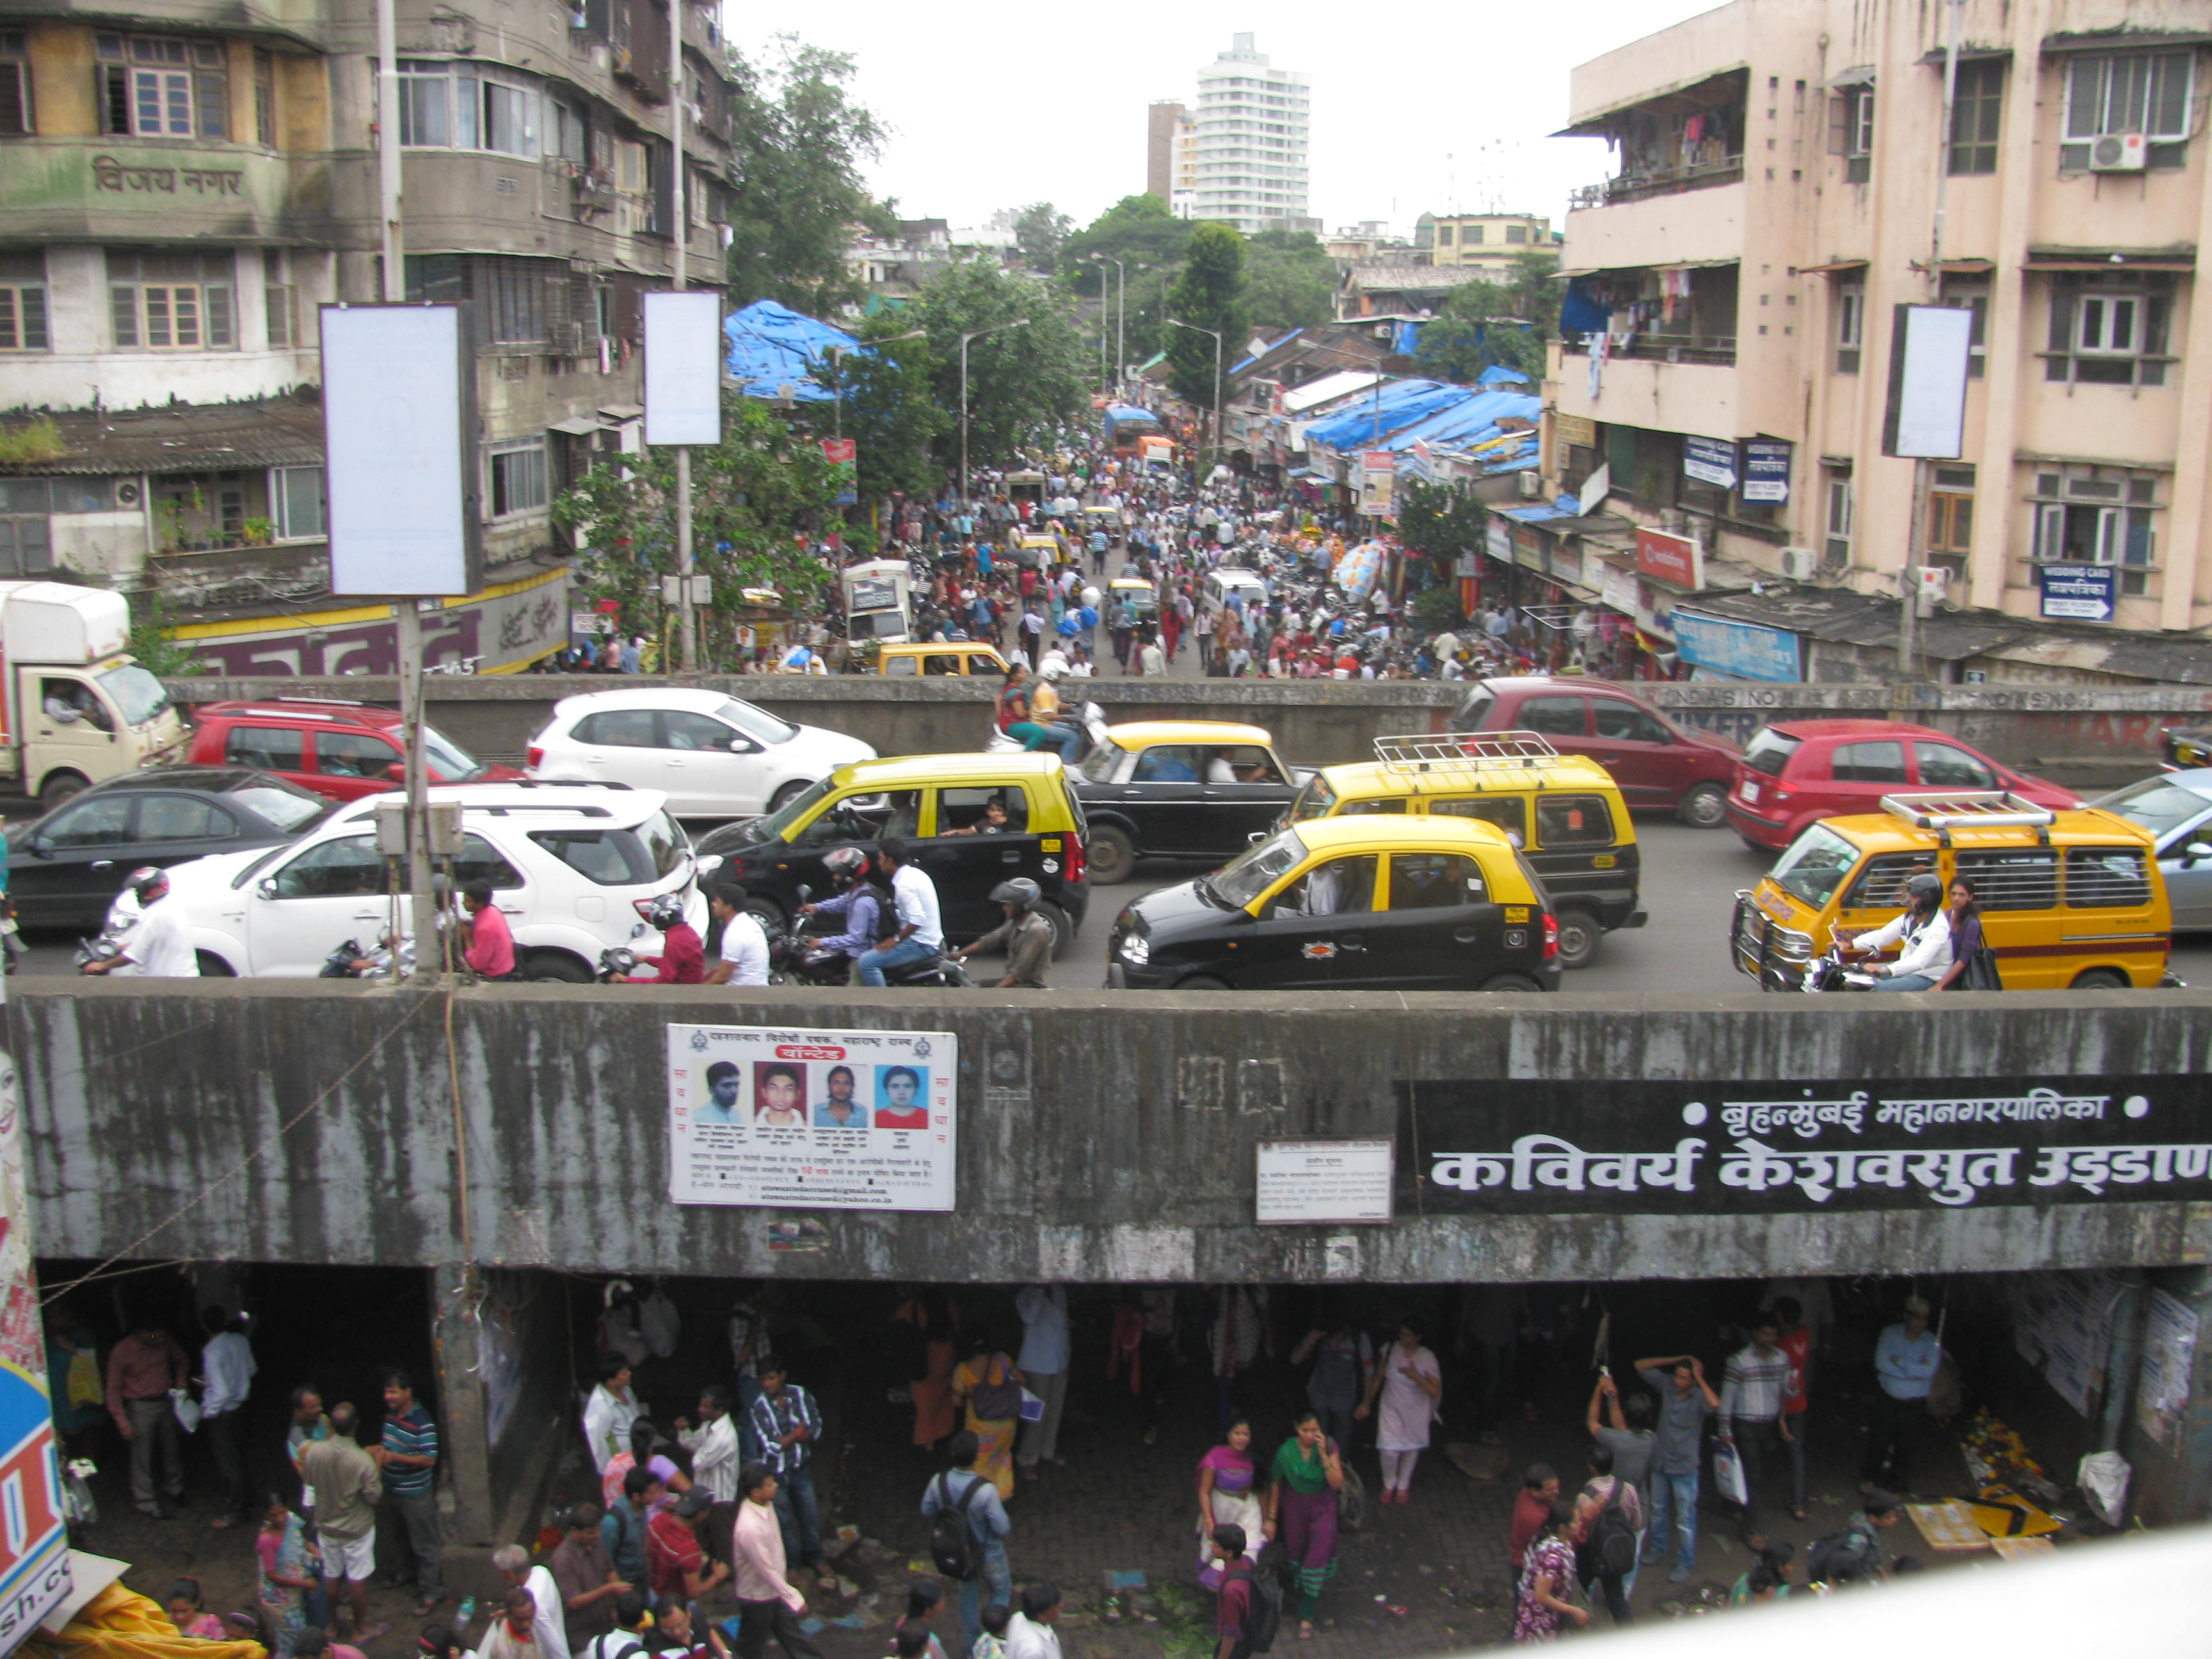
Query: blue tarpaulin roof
column 1397, row 406
column 772, row 346
column 1470, row 420
column 1130, row 412
column 1272, row 345
column 1498, row 374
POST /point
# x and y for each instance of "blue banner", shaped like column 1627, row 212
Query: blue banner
column 1710, row 460
column 1765, row 469
column 1742, row 651
column 2079, row 593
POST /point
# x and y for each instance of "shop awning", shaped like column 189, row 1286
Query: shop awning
column 1834, row 265
column 576, row 426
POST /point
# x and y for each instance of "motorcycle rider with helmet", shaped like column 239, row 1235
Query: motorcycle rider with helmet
column 1025, row 936
column 684, row 958
column 1045, row 714
column 857, row 899
column 1924, row 931
column 159, row 945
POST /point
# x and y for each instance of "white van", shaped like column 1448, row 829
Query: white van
column 1220, row 584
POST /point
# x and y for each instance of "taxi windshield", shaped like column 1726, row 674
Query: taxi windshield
column 776, row 822
column 1098, row 765
column 1314, row 801
column 1251, row 873
column 1815, row 866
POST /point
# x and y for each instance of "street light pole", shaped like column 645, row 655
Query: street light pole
column 688, row 634
column 1121, row 318
column 1102, row 264
column 1196, row 329
column 974, row 334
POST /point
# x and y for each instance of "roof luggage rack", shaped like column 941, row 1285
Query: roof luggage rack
column 1419, row 751
column 1945, row 810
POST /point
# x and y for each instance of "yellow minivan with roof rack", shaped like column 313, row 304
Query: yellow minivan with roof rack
column 2069, row 899
column 1564, row 812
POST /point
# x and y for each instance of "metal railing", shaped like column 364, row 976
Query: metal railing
column 1666, row 181
column 1713, row 350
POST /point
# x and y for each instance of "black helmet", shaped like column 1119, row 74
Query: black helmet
column 1924, row 889
column 148, row 884
column 1021, row 892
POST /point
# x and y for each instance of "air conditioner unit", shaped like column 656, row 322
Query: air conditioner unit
column 2119, row 152
column 1800, row 564
column 1532, row 486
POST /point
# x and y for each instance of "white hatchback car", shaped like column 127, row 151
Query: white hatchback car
column 714, row 756
column 565, row 863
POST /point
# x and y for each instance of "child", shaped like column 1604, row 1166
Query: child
column 190, row 1614
column 992, row 1643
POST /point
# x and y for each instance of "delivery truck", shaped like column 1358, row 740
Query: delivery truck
column 75, row 708
column 879, row 596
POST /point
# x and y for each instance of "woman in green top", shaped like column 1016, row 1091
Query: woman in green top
column 1303, row 1481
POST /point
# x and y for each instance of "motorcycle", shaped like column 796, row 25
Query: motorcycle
column 616, row 960
column 108, row 944
column 797, row 957
column 339, row 964
column 1828, row 971
column 1088, row 717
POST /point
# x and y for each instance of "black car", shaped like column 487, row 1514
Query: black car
column 64, row 870
column 1185, row 789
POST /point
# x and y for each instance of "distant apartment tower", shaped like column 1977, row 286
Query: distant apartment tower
column 1250, row 140
column 1164, row 124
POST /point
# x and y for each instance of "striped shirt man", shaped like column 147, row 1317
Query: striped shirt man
column 1758, row 1380
column 412, row 1435
column 776, row 1415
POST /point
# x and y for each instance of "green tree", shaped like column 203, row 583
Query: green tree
column 1290, row 282
column 1505, row 322
column 1208, row 294
column 1039, row 229
column 157, row 654
column 798, row 144
column 1439, row 522
column 751, row 494
column 1021, row 381
column 1138, row 231
column 892, row 410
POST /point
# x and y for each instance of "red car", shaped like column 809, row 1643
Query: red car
column 1800, row 770
column 1656, row 763
column 340, row 750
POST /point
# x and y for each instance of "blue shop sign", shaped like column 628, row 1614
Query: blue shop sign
column 1710, row 460
column 1743, row 650
column 2079, row 593
column 1766, row 470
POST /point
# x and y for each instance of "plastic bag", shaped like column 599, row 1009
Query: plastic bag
column 187, row 1408
column 1728, row 1474
column 1032, row 1408
column 2103, row 1478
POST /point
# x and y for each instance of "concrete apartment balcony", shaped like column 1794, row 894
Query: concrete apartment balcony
column 133, row 190
column 1696, row 226
column 1664, row 384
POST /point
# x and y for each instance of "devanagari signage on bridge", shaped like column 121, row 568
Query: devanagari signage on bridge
column 1702, row 1148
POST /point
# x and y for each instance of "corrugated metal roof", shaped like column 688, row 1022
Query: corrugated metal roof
column 186, row 438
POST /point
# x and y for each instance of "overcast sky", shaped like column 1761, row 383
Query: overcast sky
column 993, row 104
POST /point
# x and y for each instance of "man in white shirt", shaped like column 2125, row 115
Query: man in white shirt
column 768, row 1602
column 743, row 959
column 713, row 1444
column 1923, row 930
column 160, row 943
column 609, row 1411
column 913, row 902
column 549, row 1626
column 226, row 1373
column 1029, row 1634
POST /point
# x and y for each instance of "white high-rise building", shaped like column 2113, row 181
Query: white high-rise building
column 1251, row 124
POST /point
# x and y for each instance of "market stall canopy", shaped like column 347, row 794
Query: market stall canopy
column 772, row 347
column 1130, row 412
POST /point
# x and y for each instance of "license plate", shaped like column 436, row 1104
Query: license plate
column 1750, row 793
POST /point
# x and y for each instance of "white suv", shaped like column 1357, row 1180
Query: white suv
column 716, row 757
column 566, row 863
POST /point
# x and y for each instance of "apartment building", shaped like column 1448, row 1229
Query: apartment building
column 1490, row 241
column 1729, row 315
column 179, row 196
column 1171, row 155
column 1248, row 142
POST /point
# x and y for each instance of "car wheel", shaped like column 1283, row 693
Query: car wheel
column 1111, row 855
column 212, row 966
column 1705, row 807
column 2100, row 979
column 1201, row 983
column 789, row 793
column 1511, row 982
column 768, row 912
column 1063, row 931
column 1579, row 934
column 555, row 968
column 60, row 787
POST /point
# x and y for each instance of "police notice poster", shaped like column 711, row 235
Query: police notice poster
column 812, row 1120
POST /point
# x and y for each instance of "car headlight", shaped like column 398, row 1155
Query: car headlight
column 1136, row 949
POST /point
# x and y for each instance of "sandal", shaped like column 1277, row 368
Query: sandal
column 1305, row 1630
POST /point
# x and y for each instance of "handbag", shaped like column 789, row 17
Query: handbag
column 1981, row 973
column 995, row 1401
column 1728, row 1474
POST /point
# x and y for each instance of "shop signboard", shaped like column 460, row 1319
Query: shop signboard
column 1670, row 558
column 798, row 1119
column 1498, row 539
column 1566, row 564
column 1766, row 470
column 1304, row 1182
column 1378, row 471
column 1577, row 429
column 1710, row 460
column 34, row 1553
column 2079, row 593
column 1691, row 1148
column 844, row 454
column 1741, row 650
column 1617, row 587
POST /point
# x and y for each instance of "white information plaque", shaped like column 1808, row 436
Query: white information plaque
column 1306, row 1183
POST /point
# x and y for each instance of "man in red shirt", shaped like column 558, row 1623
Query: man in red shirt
column 141, row 1368
column 1540, row 1490
column 1232, row 1619
column 683, row 960
column 1796, row 1343
column 674, row 1558
column 491, row 946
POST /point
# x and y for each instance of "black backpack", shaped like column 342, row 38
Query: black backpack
column 1265, row 1617
column 1613, row 1541
column 951, row 1541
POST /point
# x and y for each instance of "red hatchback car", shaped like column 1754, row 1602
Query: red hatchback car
column 340, row 750
column 1656, row 763
column 1800, row 770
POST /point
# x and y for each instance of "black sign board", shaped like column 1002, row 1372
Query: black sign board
column 1527, row 1146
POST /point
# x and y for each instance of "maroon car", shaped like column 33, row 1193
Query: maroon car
column 1657, row 764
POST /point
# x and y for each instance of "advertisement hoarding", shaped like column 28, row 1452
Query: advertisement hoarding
column 35, row 1553
column 684, row 368
column 1670, row 558
column 2079, row 593
column 1743, row 650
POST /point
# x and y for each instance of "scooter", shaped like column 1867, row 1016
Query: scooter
column 1829, row 972
column 1088, row 717
column 617, row 960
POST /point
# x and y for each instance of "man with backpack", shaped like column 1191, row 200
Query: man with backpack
column 626, row 1639
column 967, row 1534
column 1250, row 1611
column 1608, row 1516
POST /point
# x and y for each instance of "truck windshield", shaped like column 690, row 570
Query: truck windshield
column 878, row 624
column 1815, row 866
column 135, row 692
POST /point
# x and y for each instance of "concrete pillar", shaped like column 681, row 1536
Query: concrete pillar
column 464, row 1438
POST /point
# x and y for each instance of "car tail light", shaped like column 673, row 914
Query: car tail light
column 1551, row 936
column 536, row 756
column 1075, row 860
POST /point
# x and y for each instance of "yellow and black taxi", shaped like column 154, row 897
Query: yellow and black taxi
column 969, row 822
column 2069, row 899
column 1183, row 789
column 958, row 659
column 1349, row 904
column 2184, row 748
column 1563, row 812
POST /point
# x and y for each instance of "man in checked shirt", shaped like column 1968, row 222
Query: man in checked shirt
column 1759, row 1377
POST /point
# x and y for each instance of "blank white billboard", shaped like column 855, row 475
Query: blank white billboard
column 393, row 446
column 1928, row 351
column 682, row 368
